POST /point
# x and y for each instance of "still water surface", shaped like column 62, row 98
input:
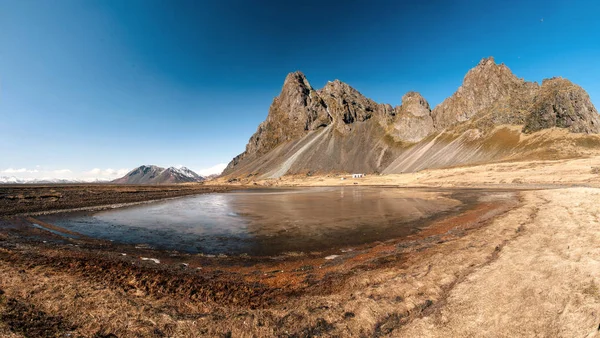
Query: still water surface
column 266, row 222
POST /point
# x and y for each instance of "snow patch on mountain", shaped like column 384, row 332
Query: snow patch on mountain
column 151, row 174
column 183, row 171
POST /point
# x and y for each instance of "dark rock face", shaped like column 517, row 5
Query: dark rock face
column 140, row 175
column 485, row 87
column 296, row 110
column 560, row 103
column 368, row 136
column 347, row 105
column 151, row 174
column 413, row 121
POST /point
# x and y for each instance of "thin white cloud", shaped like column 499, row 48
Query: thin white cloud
column 95, row 174
column 108, row 173
column 214, row 170
column 16, row 171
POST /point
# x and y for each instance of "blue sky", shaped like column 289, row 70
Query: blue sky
column 115, row 83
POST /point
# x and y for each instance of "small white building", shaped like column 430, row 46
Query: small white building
column 358, row 175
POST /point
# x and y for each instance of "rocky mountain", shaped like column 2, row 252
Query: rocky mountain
column 178, row 175
column 413, row 120
column 487, row 88
column 560, row 103
column 151, row 174
column 337, row 129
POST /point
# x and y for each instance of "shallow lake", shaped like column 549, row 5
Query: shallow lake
column 268, row 221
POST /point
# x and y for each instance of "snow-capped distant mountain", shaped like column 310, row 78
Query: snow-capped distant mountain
column 16, row 180
column 185, row 172
column 151, row 174
column 10, row 180
column 178, row 175
column 146, row 174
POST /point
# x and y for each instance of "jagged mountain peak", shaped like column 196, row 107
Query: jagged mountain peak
column 489, row 64
column 487, row 61
column 338, row 87
column 489, row 73
column 415, row 103
column 483, row 87
column 296, row 90
column 296, row 78
column 366, row 135
column 561, row 103
column 347, row 105
column 412, row 121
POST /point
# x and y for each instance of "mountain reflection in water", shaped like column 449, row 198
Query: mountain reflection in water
column 267, row 221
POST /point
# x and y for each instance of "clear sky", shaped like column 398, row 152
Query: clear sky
column 115, row 84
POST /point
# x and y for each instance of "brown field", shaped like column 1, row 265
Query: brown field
column 528, row 266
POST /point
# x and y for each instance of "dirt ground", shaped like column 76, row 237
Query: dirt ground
column 525, row 174
column 16, row 199
column 543, row 280
column 522, row 262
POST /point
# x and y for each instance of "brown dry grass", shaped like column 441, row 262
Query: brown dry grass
column 542, row 283
column 517, row 174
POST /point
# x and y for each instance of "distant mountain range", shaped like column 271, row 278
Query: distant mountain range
column 151, row 174
column 17, row 180
column 493, row 116
column 145, row 174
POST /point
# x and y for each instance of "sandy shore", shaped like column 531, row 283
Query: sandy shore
column 527, row 266
column 542, row 280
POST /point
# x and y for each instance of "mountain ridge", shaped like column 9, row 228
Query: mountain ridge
column 337, row 129
column 152, row 174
